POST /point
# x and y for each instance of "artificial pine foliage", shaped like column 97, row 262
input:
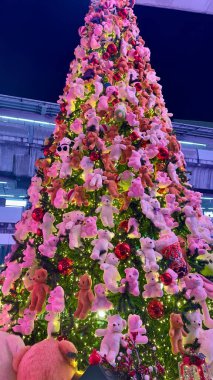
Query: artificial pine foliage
column 113, row 218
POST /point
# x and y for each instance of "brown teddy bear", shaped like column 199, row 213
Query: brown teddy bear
column 145, row 177
column 79, row 196
column 111, row 183
column 176, row 333
column 39, row 290
column 174, row 145
column 85, row 297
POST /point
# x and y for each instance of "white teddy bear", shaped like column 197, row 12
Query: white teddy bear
column 102, row 245
column 111, row 275
column 149, row 255
column 106, row 211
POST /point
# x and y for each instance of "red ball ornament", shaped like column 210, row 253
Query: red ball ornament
column 138, row 87
column 134, row 136
column 38, row 214
column 94, row 156
column 39, row 232
column 94, row 358
column 160, row 368
column 117, row 77
column 105, row 56
column 123, row 13
column 65, row 266
column 122, row 251
column 166, row 279
column 155, row 309
column 163, row 154
column 46, row 152
column 123, row 225
column 112, row 49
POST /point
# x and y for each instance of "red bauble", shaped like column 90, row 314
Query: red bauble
column 166, row 279
column 122, row 251
column 163, row 154
column 62, row 337
column 134, row 136
column 117, row 77
column 38, row 214
column 123, row 225
column 123, row 13
column 94, row 156
column 65, row 266
column 105, row 56
column 94, row 358
column 138, row 86
column 39, row 232
column 160, row 368
column 46, row 152
column 112, row 49
column 155, row 309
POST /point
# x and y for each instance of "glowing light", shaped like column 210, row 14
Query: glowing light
column 191, row 143
column 101, row 313
column 6, row 195
column 3, row 182
column 25, row 120
column 15, row 203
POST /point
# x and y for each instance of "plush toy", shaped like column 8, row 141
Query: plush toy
column 127, row 153
column 136, row 159
column 106, row 211
column 48, row 226
column 85, row 297
column 152, row 210
column 10, row 346
column 60, row 200
column 34, row 190
column 53, row 325
column 102, row 245
column 25, row 226
column 120, row 111
column 74, row 228
column 145, row 177
column 5, row 318
column 208, row 321
column 94, row 180
column 103, row 104
column 39, row 290
column 34, row 362
column 136, row 331
column 92, row 120
column 29, row 254
column 136, row 189
column 163, row 180
column 198, row 287
column 111, row 275
column 171, row 170
column 116, row 148
column 111, row 183
column 49, row 247
column 77, row 126
column 197, row 245
column 10, row 274
column 176, row 333
column 112, row 338
column 108, row 164
column 101, row 302
column 28, row 277
column 149, row 255
column 89, row 227
column 169, row 220
column 132, row 120
column 152, row 289
column 56, row 300
column 63, row 151
column 26, row 323
column 130, row 283
column 173, row 145
column 79, row 196
column 171, row 203
column 86, row 165
column 132, row 230
column 172, row 288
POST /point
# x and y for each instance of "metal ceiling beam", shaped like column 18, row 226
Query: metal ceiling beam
column 199, row 6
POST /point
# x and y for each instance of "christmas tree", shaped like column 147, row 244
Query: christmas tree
column 115, row 233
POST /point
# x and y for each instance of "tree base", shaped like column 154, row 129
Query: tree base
column 98, row 372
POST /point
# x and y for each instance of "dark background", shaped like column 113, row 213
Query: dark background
column 38, row 37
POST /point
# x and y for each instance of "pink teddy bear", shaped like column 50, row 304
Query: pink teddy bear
column 101, row 302
column 153, row 288
column 11, row 274
column 132, row 231
column 74, row 228
column 112, row 338
column 5, row 318
column 171, row 203
column 48, row 225
column 49, row 247
column 198, row 286
column 103, row 104
column 136, row 331
column 131, row 281
column 106, row 211
column 29, row 255
column 56, row 300
column 111, row 275
column 77, row 126
column 135, row 159
column 94, row 180
column 116, row 148
column 197, row 245
column 60, row 200
column 26, row 324
column 89, row 228
column 34, row 190
column 172, row 288
column 102, row 245
column 149, row 255
column 136, row 189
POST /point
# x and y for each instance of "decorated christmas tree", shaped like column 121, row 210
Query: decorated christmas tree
column 111, row 253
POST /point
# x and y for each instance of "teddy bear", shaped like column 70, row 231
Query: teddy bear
column 49, row 247
column 34, row 190
column 192, row 223
column 152, row 289
column 34, row 362
column 132, row 120
column 145, row 177
column 102, row 245
column 169, row 220
column 103, row 104
column 176, row 333
column 94, row 180
column 74, row 228
column 85, row 297
column 136, row 159
column 60, row 199
column 53, row 325
column 92, row 141
column 120, row 112
column 29, row 254
column 56, row 300
column 152, row 210
column 10, row 345
column 197, row 245
column 136, row 189
column 132, row 229
column 92, row 120
column 198, row 287
column 39, row 290
column 116, row 148
column 10, row 274
column 78, row 195
column 171, row 170
column 86, row 165
column 173, row 287
column 112, row 338
column 194, row 321
column 173, row 145
column 63, row 151
column 101, row 302
column 127, row 153
column 26, row 323
column 25, row 226
column 171, row 203
column 111, row 275
column 75, row 159
column 131, row 95
column 163, row 180
column 89, row 227
column 108, row 164
column 106, row 211
column 77, row 126
column 136, row 331
column 149, row 255
column 47, row 226
column 5, row 318
column 130, row 283
column 111, row 183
